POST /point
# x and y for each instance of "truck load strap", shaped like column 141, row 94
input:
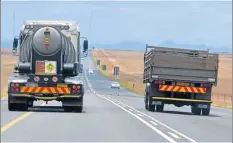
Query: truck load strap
column 179, row 99
column 45, row 90
column 175, row 88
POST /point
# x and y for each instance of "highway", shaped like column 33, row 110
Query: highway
column 112, row 115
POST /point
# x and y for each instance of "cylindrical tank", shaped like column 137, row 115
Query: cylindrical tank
column 55, row 41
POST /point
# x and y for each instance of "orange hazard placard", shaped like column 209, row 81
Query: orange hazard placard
column 40, row 67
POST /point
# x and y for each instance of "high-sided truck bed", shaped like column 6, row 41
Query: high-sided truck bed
column 180, row 64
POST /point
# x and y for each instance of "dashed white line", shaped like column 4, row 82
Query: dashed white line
column 190, row 139
column 152, row 122
column 174, row 135
column 143, row 121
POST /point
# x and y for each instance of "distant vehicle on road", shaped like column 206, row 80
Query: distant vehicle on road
column 115, row 85
column 90, row 71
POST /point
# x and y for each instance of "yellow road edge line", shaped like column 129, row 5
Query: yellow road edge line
column 17, row 120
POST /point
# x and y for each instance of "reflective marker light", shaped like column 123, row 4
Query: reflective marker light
column 54, row 79
column 15, row 87
column 76, row 89
column 158, row 82
column 36, row 78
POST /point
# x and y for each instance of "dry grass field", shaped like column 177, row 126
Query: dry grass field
column 131, row 71
column 7, row 66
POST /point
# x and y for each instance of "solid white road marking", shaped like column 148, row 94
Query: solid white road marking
column 174, row 135
column 143, row 121
column 139, row 114
column 152, row 122
column 130, row 110
column 192, row 140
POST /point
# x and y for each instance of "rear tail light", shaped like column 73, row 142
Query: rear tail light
column 54, row 79
column 158, row 82
column 36, row 78
column 75, row 89
column 15, row 87
column 205, row 85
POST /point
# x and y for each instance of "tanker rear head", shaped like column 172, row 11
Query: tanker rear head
column 47, row 52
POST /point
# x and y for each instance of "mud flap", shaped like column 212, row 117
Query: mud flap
column 74, row 102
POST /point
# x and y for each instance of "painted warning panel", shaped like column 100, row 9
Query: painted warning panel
column 46, row 67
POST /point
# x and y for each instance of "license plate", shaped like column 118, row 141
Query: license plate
column 32, row 84
column 202, row 106
column 182, row 84
column 62, row 85
column 156, row 103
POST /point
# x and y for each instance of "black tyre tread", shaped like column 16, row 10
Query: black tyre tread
column 197, row 111
column 67, row 109
column 151, row 108
column 145, row 102
column 206, row 112
column 159, row 108
column 22, row 107
column 11, row 107
column 79, row 109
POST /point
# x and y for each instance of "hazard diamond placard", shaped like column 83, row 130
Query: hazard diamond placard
column 50, row 67
column 46, row 67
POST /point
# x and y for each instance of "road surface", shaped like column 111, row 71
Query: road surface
column 109, row 117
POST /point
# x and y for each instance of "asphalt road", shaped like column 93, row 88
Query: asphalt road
column 112, row 115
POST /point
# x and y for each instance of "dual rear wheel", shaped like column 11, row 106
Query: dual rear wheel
column 198, row 111
column 152, row 108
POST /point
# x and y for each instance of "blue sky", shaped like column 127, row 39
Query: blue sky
column 187, row 22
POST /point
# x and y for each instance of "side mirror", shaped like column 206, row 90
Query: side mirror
column 15, row 45
column 85, row 45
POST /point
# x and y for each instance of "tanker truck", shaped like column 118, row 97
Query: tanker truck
column 181, row 77
column 49, row 66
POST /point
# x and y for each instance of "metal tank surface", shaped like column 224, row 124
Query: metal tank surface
column 50, row 34
column 57, row 41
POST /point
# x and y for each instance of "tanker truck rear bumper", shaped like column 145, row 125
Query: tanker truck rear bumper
column 21, row 97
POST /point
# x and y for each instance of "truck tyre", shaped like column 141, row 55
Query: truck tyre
column 205, row 112
column 78, row 109
column 67, row 108
column 159, row 108
column 11, row 106
column 30, row 103
column 196, row 111
column 22, row 106
column 149, row 105
column 146, row 100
